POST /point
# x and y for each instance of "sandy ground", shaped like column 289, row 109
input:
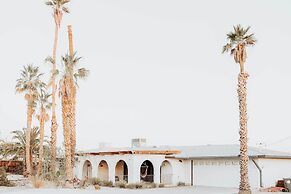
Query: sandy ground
column 104, row 190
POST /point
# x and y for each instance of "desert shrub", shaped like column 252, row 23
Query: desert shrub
column 131, row 186
column 3, row 178
column 107, row 183
column 121, row 184
column 149, row 185
column 37, row 182
column 161, row 185
column 180, row 184
column 135, row 186
column 94, row 181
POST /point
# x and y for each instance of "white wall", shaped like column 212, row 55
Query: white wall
column 222, row 173
column 166, row 173
column 181, row 169
column 274, row 169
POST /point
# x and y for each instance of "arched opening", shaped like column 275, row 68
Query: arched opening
column 103, row 171
column 147, row 172
column 87, row 170
column 121, row 171
column 166, row 173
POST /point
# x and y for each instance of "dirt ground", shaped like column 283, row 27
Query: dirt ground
column 104, row 190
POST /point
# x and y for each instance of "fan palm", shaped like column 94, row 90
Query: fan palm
column 44, row 106
column 17, row 149
column 68, row 85
column 29, row 83
column 238, row 40
column 59, row 7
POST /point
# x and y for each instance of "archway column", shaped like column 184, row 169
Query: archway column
column 133, row 171
column 111, row 172
column 157, row 173
column 94, row 169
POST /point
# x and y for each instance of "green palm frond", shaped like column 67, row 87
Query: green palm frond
column 66, row 9
column 49, row 59
column 17, row 148
column 44, row 100
column 29, row 81
column 58, row 5
column 70, row 63
column 239, row 36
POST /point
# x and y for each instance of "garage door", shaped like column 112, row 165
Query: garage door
column 216, row 173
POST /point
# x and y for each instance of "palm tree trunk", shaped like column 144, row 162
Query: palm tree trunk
column 73, row 124
column 66, row 128
column 41, row 128
column 73, row 100
column 28, row 130
column 54, row 124
column 244, row 187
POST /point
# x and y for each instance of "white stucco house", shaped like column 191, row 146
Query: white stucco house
column 208, row 165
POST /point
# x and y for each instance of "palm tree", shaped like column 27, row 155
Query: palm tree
column 29, row 83
column 59, row 8
column 44, row 105
column 238, row 40
column 73, row 118
column 17, row 149
column 68, row 85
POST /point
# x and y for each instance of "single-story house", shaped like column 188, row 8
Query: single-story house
column 207, row 165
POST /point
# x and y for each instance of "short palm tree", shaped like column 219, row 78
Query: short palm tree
column 17, row 149
column 44, row 105
column 68, row 85
column 59, row 7
column 238, row 40
column 29, row 83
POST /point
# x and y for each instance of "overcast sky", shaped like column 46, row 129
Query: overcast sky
column 156, row 69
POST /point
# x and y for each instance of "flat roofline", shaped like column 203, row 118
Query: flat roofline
column 153, row 152
column 229, row 157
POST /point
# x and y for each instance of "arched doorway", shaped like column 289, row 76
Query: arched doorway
column 147, row 172
column 87, row 170
column 166, row 173
column 121, row 171
column 103, row 171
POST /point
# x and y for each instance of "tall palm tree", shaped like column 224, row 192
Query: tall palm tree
column 238, row 40
column 68, row 85
column 44, row 106
column 59, row 7
column 29, row 83
column 73, row 118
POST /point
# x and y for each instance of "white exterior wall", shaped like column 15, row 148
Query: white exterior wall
column 210, row 172
column 222, row 173
column 181, row 169
column 274, row 170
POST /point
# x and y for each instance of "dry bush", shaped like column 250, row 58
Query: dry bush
column 97, row 187
column 95, row 181
column 121, row 184
column 37, row 182
column 135, row 186
column 161, row 185
column 181, row 184
column 107, row 183
column 3, row 178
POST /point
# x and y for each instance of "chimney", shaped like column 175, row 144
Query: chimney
column 138, row 142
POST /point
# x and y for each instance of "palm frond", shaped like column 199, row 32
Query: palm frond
column 66, row 9
column 49, row 59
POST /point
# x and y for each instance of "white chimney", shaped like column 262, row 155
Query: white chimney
column 138, row 142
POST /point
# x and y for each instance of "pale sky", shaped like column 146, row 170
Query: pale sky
column 157, row 70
